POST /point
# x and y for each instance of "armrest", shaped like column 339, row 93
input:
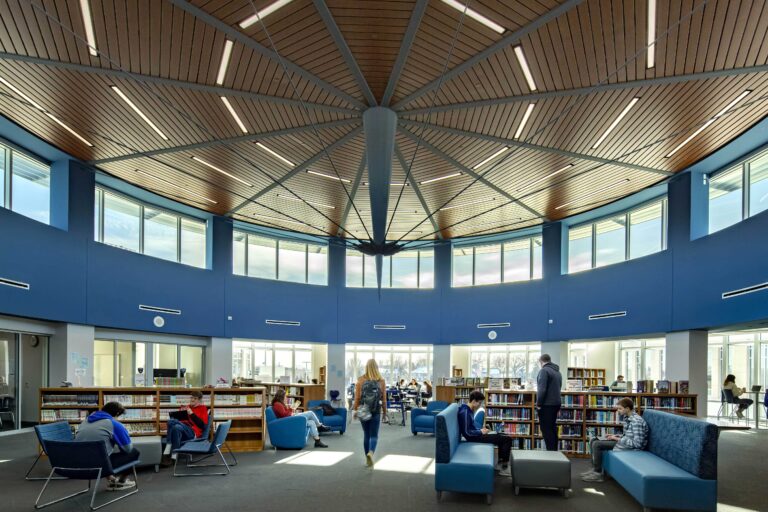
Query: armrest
column 292, row 426
column 415, row 413
column 341, row 411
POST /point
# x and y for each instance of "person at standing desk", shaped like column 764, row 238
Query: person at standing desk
column 548, row 384
column 730, row 384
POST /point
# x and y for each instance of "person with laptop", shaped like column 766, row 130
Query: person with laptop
column 619, row 382
column 743, row 403
column 635, row 437
column 283, row 411
column 473, row 434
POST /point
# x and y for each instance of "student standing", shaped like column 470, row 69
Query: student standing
column 283, row 411
column 549, row 382
column 370, row 404
column 474, row 434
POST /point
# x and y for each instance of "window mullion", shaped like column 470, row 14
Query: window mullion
column 306, row 263
column 141, row 228
column 530, row 259
column 594, row 244
column 626, row 236
column 9, row 181
column 473, row 266
column 277, row 260
column 178, row 239
column 745, row 174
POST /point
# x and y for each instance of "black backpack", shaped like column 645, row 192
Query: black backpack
column 370, row 396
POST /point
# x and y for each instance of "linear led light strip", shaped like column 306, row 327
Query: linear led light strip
column 524, row 65
column 651, row 57
column 499, row 152
column 712, row 120
column 525, row 120
column 440, row 178
column 41, row 109
column 85, row 8
column 276, row 155
column 616, row 121
column 600, row 191
column 392, row 184
column 171, row 184
column 222, row 171
column 278, row 219
column 467, row 204
column 330, row 177
column 282, row 196
column 497, row 223
column 139, row 112
column 224, row 62
column 247, row 22
column 475, row 15
column 546, row 177
column 234, row 114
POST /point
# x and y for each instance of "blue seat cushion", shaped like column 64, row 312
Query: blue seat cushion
column 425, row 421
column 194, row 447
column 656, row 483
column 333, row 421
column 470, row 470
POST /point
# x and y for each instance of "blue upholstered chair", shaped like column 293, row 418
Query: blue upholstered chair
column 336, row 422
column 58, row 431
column 289, row 433
column 203, row 450
column 479, row 418
column 83, row 460
column 423, row 420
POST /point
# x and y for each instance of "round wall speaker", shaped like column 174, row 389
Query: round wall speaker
column 492, row 335
column 159, row 321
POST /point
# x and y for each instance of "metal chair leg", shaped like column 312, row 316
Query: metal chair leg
column 223, row 460
column 27, row 477
column 95, row 488
column 45, row 486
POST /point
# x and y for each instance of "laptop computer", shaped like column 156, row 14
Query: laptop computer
column 756, row 388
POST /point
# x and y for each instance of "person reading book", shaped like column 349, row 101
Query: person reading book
column 635, row 437
column 104, row 426
column 185, row 424
column 473, row 434
column 283, row 411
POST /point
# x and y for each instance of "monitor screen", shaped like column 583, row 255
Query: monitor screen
column 164, row 372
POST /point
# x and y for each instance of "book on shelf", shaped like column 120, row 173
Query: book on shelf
column 238, row 413
column 128, row 400
column 169, row 381
column 573, row 384
column 663, row 386
column 68, row 400
column 683, row 387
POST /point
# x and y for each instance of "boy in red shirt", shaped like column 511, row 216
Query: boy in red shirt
column 181, row 430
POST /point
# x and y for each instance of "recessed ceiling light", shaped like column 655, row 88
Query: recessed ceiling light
column 712, row 120
column 224, row 62
column 222, row 171
column 139, row 112
column 651, row 57
column 545, row 177
column 475, row 15
column 260, row 15
column 499, row 152
column 467, row 204
column 172, row 184
column 279, row 157
column 524, row 65
column 286, row 220
column 234, row 114
column 41, row 109
column 330, row 177
column 440, row 178
column 616, row 121
column 321, row 205
column 85, row 9
column 525, row 120
column 600, row 191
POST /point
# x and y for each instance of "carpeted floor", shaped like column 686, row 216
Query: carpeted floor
column 336, row 479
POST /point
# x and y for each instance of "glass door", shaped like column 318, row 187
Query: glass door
column 9, row 375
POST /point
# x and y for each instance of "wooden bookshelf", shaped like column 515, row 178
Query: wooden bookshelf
column 587, row 376
column 322, row 375
column 147, row 409
column 460, row 392
column 294, row 392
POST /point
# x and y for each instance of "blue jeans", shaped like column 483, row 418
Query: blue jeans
column 178, row 432
column 312, row 422
column 371, row 432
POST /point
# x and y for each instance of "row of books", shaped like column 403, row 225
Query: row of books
column 507, row 414
column 572, row 400
column 169, row 381
column 141, row 428
column 666, row 403
column 462, row 381
column 128, row 400
column 514, row 429
column 179, row 400
column 566, row 431
column 506, row 383
column 509, row 399
column 681, row 387
column 575, row 373
column 603, row 400
column 70, row 400
column 238, row 399
column 234, row 414
column 289, row 390
column 565, row 445
column 63, row 414
column 602, row 417
column 138, row 414
column 570, row 415
column 603, row 431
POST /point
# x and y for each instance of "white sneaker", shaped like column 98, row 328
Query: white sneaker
column 594, row 477
column 369, row 459
column 587, row 472
column 506, row 471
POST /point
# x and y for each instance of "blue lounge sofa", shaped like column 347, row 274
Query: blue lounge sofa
column 460, row 467
column 336, row 422
column 289, row 433
column 679, row 468
column 423, row 420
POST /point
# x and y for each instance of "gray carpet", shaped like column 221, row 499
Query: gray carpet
column 288, row 481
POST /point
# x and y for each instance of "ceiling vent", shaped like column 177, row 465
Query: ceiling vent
column 381, row 327
column 743, row 291
column 14, row 284
column 155, row 309
column 603, row 316
column 288, row 323
column 493, row 326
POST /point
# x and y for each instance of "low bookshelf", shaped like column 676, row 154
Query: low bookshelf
column 459, row 390
column 147, row 409
column 587, row 376
column 296, row 392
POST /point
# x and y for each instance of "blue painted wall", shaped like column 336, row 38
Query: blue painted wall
column 75, row 279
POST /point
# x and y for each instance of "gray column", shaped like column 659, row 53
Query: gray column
column 441, row 362
column 71, row 355
column 558, row 351
column 686, row 359
column 335, row 378
column 218, row 360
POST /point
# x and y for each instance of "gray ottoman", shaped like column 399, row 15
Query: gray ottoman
column 536, row 468
column 150, row 449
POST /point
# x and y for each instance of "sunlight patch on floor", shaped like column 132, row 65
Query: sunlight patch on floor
column 315, row 458
column 730, row 508
column 592, row 490
column 403, row 464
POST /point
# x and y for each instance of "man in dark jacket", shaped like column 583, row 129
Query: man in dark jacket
column 471, row 433
column 548, row 384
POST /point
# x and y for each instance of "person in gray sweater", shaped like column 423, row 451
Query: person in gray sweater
column 548, row 384
column 103, row 426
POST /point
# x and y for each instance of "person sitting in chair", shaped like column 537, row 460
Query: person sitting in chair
column 283, row 411
column 471, row 433
column 743, row 403
column 103, row 426
column 186, row 424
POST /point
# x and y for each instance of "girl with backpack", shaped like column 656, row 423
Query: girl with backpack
column 369, row 407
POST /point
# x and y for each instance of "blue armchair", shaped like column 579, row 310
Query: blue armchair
column 479, row 419
column 423, row 420
column 58, row 431
column 289, row 433
column 336, row 422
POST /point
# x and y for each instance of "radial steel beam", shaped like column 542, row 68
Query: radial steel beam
column 235, row 35
column 415, row 186
column 535, row 147
column 302, row 166
column 338, row 38
column 352, row 195
column 181, row 84
column 228, row 140
column 405, row 50
column 511, row 39
column 380, row 125
column 466, row 170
